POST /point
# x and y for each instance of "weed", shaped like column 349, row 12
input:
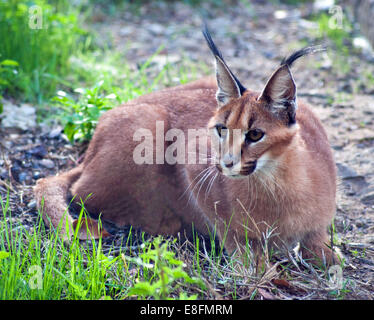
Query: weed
column 42, row 52
column 38, row 265
column 80, row 117
column 339, row 35
column 8, row 71
column 163, row 274
column 338, row 39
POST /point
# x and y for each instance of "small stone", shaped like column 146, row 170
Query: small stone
column 156, row 28
column 363, row 44
column 22, row 176
column 125, row 31
column 15, row 170
column 38, row 151
column 354, row 183
column 31, row 204
column 55, row 133
column 47, row 163
column 280, row 14
column 346, row 172
column 4, row 174
column 37, row 175
column 361, row 223
column 21, row 117
column 321, row 5
column 351, row 192
column 368, row 199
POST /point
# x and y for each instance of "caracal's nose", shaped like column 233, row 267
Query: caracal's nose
column 229, row 160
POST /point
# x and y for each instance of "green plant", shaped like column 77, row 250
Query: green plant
column 80, row 117
column 41, row 40
column 4, row 255
column 8, row 71
column 164, row 274
column 339, row 34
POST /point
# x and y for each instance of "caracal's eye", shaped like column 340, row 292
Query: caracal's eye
column 221, row 130
column 254, row 135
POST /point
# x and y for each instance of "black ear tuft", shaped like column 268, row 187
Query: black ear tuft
column 217, row 54
column 299, row 53
column 210, row 42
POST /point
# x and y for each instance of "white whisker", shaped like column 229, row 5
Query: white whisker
column 200, row 173
column 202, row 183
column 210, row 184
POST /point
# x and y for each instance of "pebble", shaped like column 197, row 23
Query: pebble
column 55, row 133
column 368, row 199
column 20, row 117
column 37, row 175
column 39, row 151
column 346, row 172
column 22, row 176
column 156, row 28
column 47, row 163
column 321, row 5
column 31, row 204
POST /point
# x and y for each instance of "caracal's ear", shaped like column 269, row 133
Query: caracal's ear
column 279, row 94
column 229, row 86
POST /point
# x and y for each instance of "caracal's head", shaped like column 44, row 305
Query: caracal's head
column 250, row 131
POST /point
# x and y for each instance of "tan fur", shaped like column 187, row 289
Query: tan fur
column 293, row 191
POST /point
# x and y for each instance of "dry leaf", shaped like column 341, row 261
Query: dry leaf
column 266, row 294
column 281, row 283
column 90, row 229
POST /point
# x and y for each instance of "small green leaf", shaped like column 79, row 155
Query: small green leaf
column 142, row 289
column 4, row 82
column 4, row 255
column 185, row 296
column 8, row 62
column 69, row 130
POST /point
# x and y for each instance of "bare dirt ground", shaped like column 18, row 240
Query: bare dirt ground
column 253, row 39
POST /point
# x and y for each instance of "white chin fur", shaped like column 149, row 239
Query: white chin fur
column 265, row 162
column 235, row 176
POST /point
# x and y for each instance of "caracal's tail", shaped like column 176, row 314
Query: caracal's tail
column 51, row 197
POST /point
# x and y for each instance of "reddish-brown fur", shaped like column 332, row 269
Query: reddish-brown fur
column 297, row 201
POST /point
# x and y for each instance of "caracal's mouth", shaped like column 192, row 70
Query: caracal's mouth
column 243, row 172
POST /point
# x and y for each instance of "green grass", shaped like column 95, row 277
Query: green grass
column 42, row 43
column 42, row 53
column 36, row 264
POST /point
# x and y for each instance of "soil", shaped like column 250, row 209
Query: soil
column 253, row 39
